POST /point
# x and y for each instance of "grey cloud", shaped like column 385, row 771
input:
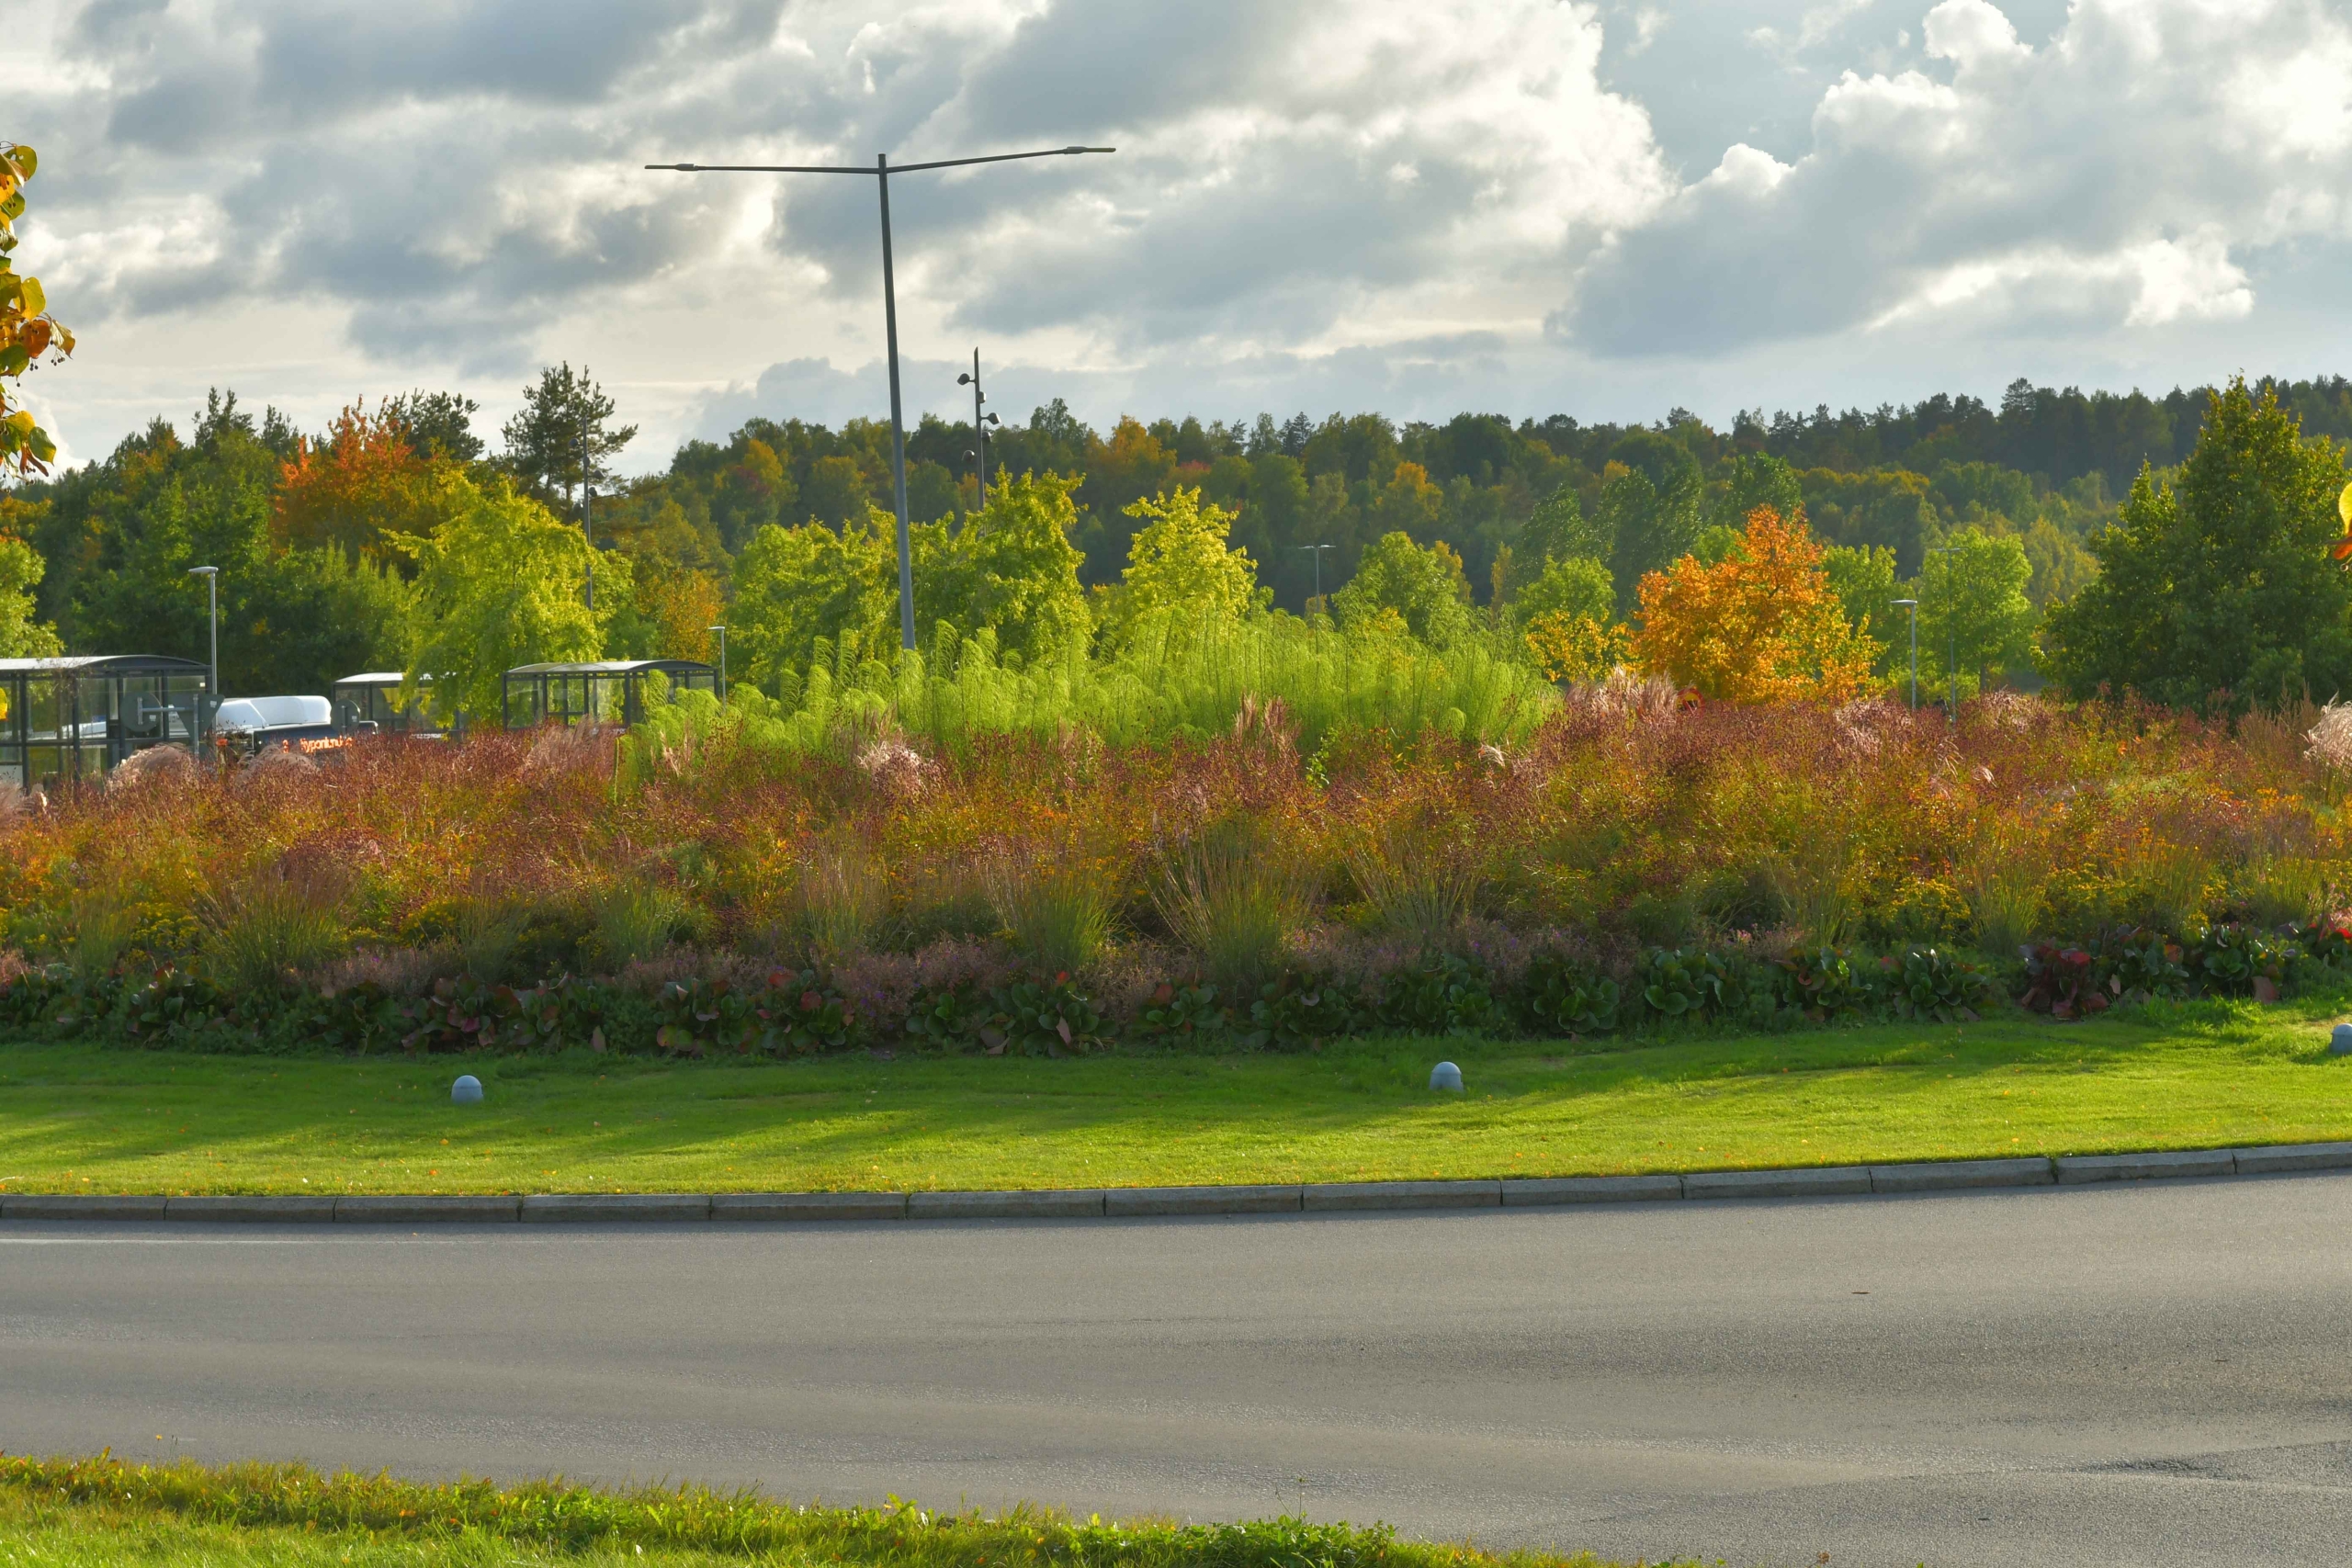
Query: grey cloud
column 2076, row 188
column 1077, row 69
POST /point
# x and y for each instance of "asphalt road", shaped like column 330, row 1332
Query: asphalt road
column 2155, row 1374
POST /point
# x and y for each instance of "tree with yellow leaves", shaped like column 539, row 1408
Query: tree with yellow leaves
column 26, row 329
column 1761, row 625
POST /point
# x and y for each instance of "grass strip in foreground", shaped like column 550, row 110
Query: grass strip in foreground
column 92, row 1119
column 102, row 1511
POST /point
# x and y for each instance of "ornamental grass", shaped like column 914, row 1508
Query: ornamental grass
column 703, row 851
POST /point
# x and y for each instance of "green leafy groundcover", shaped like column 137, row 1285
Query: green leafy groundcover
column 550, row 1515
column 1542, row 991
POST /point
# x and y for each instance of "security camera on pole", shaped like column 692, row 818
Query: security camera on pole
column 980, row 422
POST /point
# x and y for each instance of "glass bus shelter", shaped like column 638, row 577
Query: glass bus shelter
column 65, row 720
column 364, row 705
column 611, row 691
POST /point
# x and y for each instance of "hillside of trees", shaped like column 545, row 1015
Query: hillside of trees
column 328, row 566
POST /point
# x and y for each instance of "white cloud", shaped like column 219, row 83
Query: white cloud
column 2117, row 178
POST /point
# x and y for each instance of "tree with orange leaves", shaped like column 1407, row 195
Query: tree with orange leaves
column 364, row 480
column 1761, row 625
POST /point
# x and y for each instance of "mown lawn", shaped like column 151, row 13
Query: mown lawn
column 80, row 1119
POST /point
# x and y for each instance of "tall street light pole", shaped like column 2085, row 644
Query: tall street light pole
column 1952, row 631
column 722, row 660
column 881, row 172
column 980, row 422
column 587, row 490
column 212, row 575
column 1315, row 552
column 1913, row 606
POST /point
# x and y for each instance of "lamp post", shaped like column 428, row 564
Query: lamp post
column 1315, row 553
column 1913, row 606
column 980, row 453
column 587, row 490
column 722, row 659
column 881, row 172
column 212, row 575
column 1951, row 630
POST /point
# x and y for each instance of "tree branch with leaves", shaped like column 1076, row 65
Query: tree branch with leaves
column 28, row 332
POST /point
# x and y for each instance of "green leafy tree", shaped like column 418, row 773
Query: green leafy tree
column 1558, row 529
column 1570, row 585
column 1863, row 576
column 1648, row 528
column 22, row 637
column 1422, row 590
column 2218, row 590
column 1010, row 567
column 1180, row 565
column 1975, row 618
column 795, row 585
column 504, row 582
column 1754, row 480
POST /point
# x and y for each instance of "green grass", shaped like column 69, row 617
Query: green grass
column 100, row 1511
column 86, row 1119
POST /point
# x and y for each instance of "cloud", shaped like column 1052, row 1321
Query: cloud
column 1315, row 203
column 2116, row 177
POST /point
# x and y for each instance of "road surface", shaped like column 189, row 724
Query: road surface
column 2153, row 1374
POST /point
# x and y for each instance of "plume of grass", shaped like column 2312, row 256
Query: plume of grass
column 2004, row 892
column 1056, row 907
column 2168, row 884
column 841, row 896
column 2279, row 889
column 1418, row 878
column 637, row 920
column 106, row 923
column 284, row 920
column 1233, row 895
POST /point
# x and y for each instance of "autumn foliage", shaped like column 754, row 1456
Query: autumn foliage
column 362, row 481
column 27, row 331
column 1761, row 625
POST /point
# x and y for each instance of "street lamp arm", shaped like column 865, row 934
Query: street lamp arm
column 895, row 168
column 997, row 158
column 760, row 169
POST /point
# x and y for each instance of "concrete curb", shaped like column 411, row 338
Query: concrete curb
column 1319, row 1196
column 2074, row 1169
column 262, row 1210
column 574, row 1207
column 425, row 1209
column 1096, row 1202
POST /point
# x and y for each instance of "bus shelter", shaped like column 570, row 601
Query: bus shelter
column 367, row 704
column 65, row 720
column 608, row 691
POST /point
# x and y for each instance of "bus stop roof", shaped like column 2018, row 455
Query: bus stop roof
column 103, row 664
column 613, row 667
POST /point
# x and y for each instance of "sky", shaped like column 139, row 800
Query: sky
column 1526, row 207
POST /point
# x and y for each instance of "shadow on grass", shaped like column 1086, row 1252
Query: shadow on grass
column 1119, row 1116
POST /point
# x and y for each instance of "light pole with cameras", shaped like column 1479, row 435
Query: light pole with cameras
column 980, row 422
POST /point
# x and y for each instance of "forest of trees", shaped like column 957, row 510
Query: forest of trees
column 348, row 548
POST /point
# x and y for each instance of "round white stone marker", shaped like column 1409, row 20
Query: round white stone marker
column 467, row 1091
column 1446, row 1074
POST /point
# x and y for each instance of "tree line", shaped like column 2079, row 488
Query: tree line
column 399, row 528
